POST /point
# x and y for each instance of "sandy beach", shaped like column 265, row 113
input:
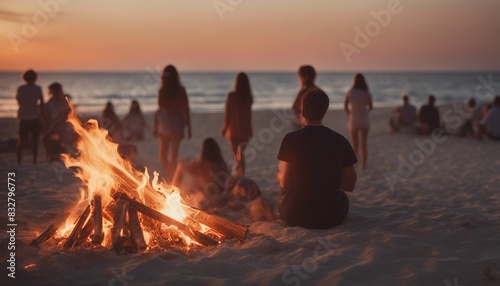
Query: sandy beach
column 425, row 212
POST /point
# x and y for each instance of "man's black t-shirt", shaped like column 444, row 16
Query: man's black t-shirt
column 316, row 156
column 430, row 115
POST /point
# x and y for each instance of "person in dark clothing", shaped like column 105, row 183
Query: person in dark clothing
column 429, row 116
column 316, row 167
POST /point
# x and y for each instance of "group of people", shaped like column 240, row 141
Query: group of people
column 474, row 121
column 316, row 164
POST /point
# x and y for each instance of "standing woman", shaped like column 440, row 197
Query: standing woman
column 360, row 101
column 237, row 127
column 171, row 118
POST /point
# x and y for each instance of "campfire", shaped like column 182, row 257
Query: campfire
column 126, row 211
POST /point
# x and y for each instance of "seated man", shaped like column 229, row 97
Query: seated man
column 406, row 116
column 316, row 166
column 429, row 116
column 490, row 124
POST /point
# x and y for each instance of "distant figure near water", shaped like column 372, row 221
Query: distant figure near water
column 316, row 167
column 360, row 101
column 406, row 116
column 490, row 124
column 172, row 118
column 429, row 116
column 307, row 75
column 110, row 121
column 237, row 127
column 30, row 100
column 134, row 122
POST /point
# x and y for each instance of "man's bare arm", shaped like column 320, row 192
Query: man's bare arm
column 284, row 175
column 349, row 178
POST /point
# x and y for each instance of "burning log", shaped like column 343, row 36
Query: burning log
column 197, row 236
column 98, row 235
column 49, row 232
column 137, row 236
column 119, row 223
column 86, row 231
column 224, row 226
column 70, row 242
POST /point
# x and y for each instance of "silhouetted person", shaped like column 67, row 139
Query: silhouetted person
column 237, row 127
column 490, row 124
column 359, row 99
column 429, row 116
column 406, row 116
column 134, row 122
column 307, row 75
column 172, row 118
column 316, row 167
column 110, row 121
column 198, row 179
column 30, row 99
column 58, row 134
column 467, row 129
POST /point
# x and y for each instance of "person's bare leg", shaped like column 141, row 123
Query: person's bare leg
column 19, row 149
column 163, row 152
column 234, row 143
column 174, row 151
column 354, row 136
column 364, row 146
column 35, row 148
column 241, row 158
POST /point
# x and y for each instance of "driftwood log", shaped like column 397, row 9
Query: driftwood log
column 98, row 235
column 119, row 223
column 197, row 236
column 224, row 226
column 70, row 242
column 136, row 234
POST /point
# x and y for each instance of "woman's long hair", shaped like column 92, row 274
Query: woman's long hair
column 242, row 88
column 135, row 108
column 360, row 82
column 170, row 84
column 210, row 151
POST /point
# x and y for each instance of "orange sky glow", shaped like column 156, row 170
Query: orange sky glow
column 250, row 35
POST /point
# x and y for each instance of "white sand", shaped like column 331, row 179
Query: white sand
column 440, row 226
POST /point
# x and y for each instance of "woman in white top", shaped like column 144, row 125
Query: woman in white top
column 357, row 104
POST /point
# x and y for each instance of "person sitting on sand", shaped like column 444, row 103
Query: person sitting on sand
column 307, row 75
column 406, row 116
column 316, row 167
column 490, row 124
column 429, row 116
column 110, row 121
column 58, row 134
column 472, row 117
column 198, row 178
column 237, row 127
column 30, row 99
column 134, row 122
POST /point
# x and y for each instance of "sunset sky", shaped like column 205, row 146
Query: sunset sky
column 251, row 35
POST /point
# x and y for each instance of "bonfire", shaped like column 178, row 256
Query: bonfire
column 125, row 210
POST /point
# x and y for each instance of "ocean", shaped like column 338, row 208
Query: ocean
column 272, row 90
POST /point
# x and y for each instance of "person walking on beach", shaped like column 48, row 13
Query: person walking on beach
column 30, row 99
column 307, row 75
column 406, row 116
column 316, row 167
column 237, row 127
column 172, row 118
column 360, row 101
column 429, row 116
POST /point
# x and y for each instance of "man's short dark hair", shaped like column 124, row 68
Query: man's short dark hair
column 30, row 76
column 315, row 103
column 431, row 99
